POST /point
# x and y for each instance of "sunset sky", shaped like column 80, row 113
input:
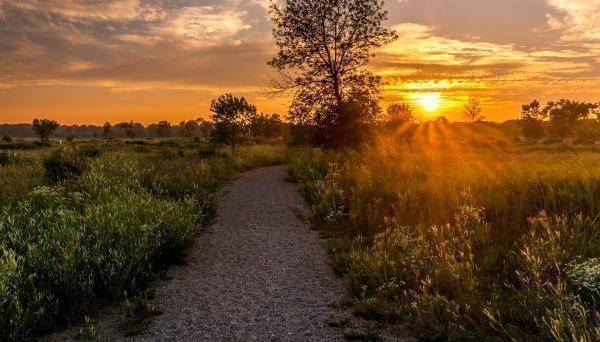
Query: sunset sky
column 91, row 61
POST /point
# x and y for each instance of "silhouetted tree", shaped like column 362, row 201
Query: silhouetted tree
column 164, row 129
column 564, row 115
column 266, row 125
column 400, row 113
column 43, row 128
column 189, row 128
column 128, row 127
column 532, row 120
column 232, row 117
column 323, row 47
column 354, row 121
column 106, row 130
column 442, row 120
column 472, row 110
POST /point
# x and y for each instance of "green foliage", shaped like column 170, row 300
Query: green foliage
column 67, row 247
column 463, row 243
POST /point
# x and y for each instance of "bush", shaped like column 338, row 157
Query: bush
column 6, row 158
column 91, row 151
column 64, row 163
column 65, row 248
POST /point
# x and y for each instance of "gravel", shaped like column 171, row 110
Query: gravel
column 258, row 273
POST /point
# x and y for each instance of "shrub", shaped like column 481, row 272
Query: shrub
column 91, row 151
column 63, row 164
column 6, row 158
column 65, row 248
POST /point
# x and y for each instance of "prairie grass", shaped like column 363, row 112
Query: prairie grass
column 463, row 241
column 71, row 241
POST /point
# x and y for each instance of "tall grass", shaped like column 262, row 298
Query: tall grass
column 463, row 242
column 79, row 240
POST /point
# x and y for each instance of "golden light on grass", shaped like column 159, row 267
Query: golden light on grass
column 429, row 101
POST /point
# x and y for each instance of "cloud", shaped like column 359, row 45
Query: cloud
column 80, row 10
column 126, row 43
column 423, row 60
column 582, row 21
column 208, row 25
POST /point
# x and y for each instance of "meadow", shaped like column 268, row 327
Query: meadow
column 463, row 238
column 87, row 223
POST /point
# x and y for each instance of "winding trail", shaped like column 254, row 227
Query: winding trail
column 258, row 273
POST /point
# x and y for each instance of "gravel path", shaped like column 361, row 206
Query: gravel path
column 258, row 273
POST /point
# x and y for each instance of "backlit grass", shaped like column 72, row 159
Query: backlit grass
column 463, row 240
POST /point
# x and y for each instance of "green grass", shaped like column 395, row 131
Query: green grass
column 71, row 241
column 461, row 241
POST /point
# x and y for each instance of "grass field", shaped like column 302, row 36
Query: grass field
column 90, row 222
column 463, row 241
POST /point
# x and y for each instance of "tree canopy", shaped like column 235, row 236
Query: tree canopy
column 232, row 116
column 43, row 128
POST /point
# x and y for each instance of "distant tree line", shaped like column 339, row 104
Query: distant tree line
column 258, row 125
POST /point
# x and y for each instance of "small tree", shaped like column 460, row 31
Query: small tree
column 43, row 128
column 472, row 110
column 400, row 113
column 565, row 114
column 164, row 129
column 106, row 130
column 532, row 120
column 232, row 117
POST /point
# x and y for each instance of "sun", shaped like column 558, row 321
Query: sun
column 429, row 101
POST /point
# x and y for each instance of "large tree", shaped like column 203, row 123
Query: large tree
column 323, row 48
column 232, row 117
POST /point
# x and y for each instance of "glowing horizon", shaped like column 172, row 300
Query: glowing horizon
column 87, row 62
